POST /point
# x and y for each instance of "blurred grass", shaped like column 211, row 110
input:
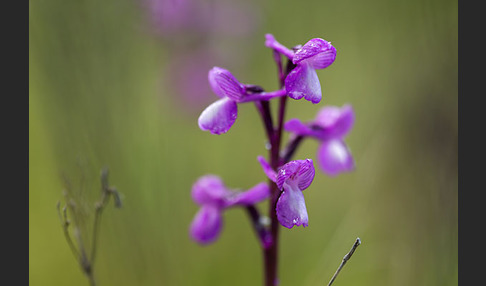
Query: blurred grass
column 96, row 97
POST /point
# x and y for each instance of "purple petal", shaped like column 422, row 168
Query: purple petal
column 219, row 116
column 317, row 52
column 269, row 40
column 335, row 121
column 296, row 126
column 254, row 195
column 334, row 157
column 267, row 169
column 327, row 116
column 209, row 190
column 291, row 208
column 224, row 84
column 299, row 173
column 302, row 81
column 322, row 60
column 206, row 225
column 272, row 43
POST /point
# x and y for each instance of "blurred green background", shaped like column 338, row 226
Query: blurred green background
column 98, row 98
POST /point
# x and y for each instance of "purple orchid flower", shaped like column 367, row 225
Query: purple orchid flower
column 214, row 197
column 302, row 81
column 216, row 17
column 331, row 125
column 221, row 115
column 292, row 178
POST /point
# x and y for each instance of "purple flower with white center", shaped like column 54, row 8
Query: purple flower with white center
column 292, row 178
column 330, row 126
column 221, row 115
column 302, row 81
column 214, row 197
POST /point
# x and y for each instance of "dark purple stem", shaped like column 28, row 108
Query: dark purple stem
column 281, row 115
column 271, row 253
column 264, row 96
column 274, row 135
column 292, row 146
column 264, row 110
column 259, row 227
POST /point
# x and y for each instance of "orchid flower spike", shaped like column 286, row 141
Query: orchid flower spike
column 221, row 115
column 214, row 197
column 292, row 178
column 330, row 127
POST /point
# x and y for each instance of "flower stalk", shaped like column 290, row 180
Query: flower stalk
column 271, row 254
column 287, row 179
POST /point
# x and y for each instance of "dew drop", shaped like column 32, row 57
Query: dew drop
column 268, row 146
column 265, row 220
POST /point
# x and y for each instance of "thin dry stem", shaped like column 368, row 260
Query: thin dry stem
column 81, row 253
column 345, row 259
column 65, row 224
